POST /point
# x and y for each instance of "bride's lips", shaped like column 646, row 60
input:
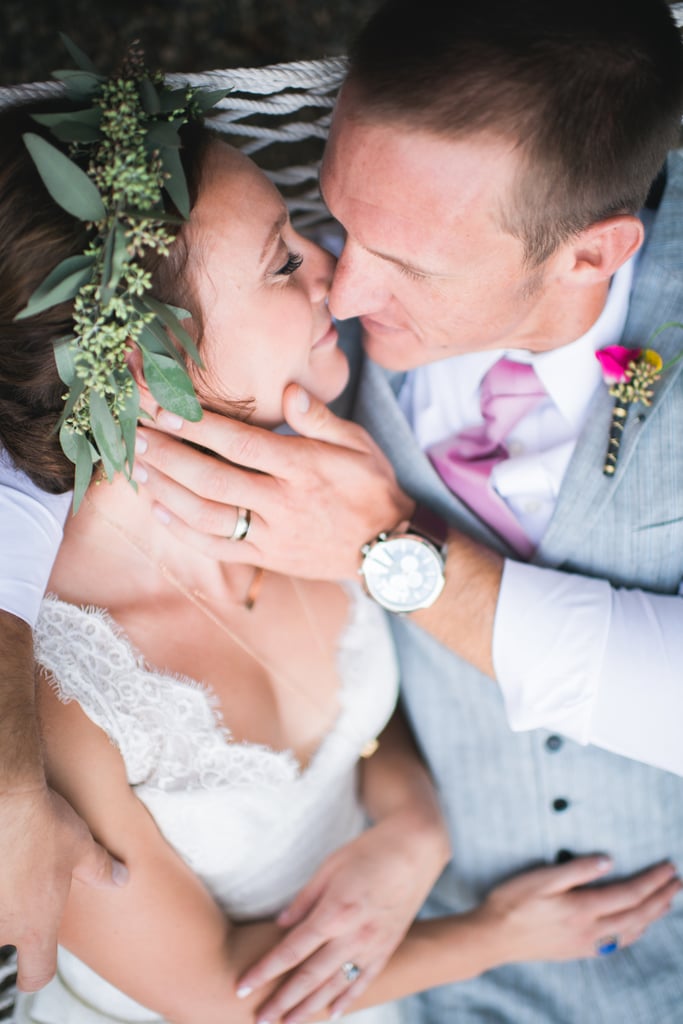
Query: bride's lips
column 328, row 338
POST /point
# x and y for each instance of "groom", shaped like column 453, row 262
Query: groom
column 487, row 165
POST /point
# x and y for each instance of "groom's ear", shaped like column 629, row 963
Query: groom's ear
column 600, row 249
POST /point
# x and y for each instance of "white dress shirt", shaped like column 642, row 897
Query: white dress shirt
column 32, row 525
column 560, row 641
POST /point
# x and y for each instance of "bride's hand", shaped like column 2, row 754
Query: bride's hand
column 356, row 909
column 552, row 913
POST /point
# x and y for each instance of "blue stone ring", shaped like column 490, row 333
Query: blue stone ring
column 350, row 970
column 606, row 945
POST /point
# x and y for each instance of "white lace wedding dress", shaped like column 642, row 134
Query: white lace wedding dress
column 251, row 824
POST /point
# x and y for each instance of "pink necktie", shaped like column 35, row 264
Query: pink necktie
column 465, row 461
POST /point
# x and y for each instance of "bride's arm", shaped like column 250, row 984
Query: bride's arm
column 162, row 939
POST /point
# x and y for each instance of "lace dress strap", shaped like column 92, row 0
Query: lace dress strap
column 88, row 659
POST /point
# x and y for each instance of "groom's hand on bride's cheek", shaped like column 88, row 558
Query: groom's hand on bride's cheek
column 314, row 498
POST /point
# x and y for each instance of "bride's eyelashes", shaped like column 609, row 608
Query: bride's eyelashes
column 294, row 261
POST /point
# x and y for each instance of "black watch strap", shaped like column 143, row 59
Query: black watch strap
column 426, row 523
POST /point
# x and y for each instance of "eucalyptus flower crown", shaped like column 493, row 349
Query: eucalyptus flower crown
column 126, row 126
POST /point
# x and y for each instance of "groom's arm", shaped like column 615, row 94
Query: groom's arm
column 43, row 843
column 571, row 654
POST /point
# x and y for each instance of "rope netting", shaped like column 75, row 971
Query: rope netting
column 279, row 115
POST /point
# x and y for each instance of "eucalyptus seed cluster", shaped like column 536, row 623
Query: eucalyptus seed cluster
column 643, row 375
column 130, row 177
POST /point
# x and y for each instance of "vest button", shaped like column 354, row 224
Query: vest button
column 554, row 743
column 560, row 804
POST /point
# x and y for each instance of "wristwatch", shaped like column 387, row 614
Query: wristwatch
column 404, row 570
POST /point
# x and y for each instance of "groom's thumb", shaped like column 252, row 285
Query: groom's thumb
column 310, row 417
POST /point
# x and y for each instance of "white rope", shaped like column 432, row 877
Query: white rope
column 264, row 108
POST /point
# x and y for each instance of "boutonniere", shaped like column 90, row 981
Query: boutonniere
column 631, row 374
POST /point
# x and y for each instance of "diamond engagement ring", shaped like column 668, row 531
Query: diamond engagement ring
column 350, row 970
column 606, row 945
column 242, row 524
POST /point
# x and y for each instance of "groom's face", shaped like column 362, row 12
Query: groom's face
column 427, row 264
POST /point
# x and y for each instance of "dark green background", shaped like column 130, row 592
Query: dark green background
column 178, row 35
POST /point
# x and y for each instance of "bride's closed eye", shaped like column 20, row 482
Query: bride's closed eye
column 294, row 261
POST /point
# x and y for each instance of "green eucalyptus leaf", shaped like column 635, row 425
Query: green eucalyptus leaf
column 78, row 57
column 65, row 358
column 174, row 325
column 172, row 99
column 79, row 451
column 71, row 442
column 75, row 392
column 128, row 419
column 163, row 134
column 76, row 131
column 182, row 314
column 80, row 85
column 120, row 256
column 206, row 99
column 60, row 285
column 155, row 338
column 91, row 116
column 83, row 475
column 176, row 184
column 171, row 386
column 149, row 96
column 107, row 435
column 65, row 181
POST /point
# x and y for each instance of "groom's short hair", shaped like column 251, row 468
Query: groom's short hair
column 590, row 90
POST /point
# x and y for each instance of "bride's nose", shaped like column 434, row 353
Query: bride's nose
column 321, row 268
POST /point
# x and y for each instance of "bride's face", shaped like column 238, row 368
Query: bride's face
column 262, row 290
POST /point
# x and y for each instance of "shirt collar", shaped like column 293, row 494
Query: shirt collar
column 559, row 369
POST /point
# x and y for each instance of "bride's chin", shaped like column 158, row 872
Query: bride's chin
column 328, row 384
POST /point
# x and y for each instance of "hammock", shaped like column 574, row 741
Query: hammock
column 279, row 115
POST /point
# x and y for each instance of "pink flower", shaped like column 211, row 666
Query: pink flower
column 614, row 360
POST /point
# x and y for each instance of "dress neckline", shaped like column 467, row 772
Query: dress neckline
column 205, row 692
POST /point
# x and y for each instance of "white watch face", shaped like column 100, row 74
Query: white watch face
column 403, row 573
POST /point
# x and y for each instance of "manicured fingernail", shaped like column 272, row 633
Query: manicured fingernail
column 140, row 473
column 170, row 420
column 162, row 514
column 302, row 400
column 243, row 991
column 119, row 873
column 336, row 1015
column 604, row 864
column 141, row 445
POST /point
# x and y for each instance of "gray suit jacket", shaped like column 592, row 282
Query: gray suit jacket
column 499, row 788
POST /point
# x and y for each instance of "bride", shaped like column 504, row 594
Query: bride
column 223, row 731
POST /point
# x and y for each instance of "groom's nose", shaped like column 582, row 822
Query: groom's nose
column 357, row 286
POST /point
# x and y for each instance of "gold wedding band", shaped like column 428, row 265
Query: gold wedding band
column 242, row 524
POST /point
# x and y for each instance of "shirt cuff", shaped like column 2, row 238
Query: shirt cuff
column 549, row 639
column 639, row 706
column 31, row 534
